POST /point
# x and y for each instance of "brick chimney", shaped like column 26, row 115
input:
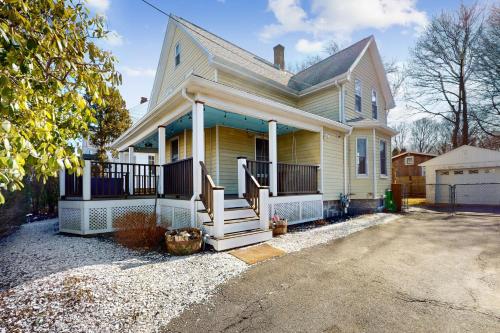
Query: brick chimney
column 144, row 100
column 279, row 56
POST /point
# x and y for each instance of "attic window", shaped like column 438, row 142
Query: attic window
column 409, row 160
column 357, row 92
column 374, row 104
column 177, row 54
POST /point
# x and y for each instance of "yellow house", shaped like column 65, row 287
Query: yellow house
column 237, row 139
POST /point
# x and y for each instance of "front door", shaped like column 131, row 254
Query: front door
column 261, row 149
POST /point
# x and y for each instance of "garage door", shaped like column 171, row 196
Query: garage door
column 473, row 186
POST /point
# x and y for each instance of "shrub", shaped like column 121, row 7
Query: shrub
column 138, row 230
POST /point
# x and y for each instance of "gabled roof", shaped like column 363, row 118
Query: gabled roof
column 466, row 156
column 333, row 66
column 219, row 47
column 414, row 153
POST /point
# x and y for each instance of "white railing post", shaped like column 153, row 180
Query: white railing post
column 198, row 144
column 218, row 212
column 161, row 157
column 86, row 178
column 241, row 176
column 62, row 183
column 264, row 208
column 273, row 158
column 131, row 160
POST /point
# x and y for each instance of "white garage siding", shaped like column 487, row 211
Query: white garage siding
column 472, row 186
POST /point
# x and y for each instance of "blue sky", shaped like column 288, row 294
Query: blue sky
column 301, row 26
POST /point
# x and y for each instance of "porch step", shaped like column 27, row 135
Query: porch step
column 234, row 225
column 239, row 239
column 233, row 203
column 229, row 214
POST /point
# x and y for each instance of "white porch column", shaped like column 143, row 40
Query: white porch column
column 86, row 177
column 121, row 157
column 131, row 156
column 198, row 145
column 273, row 158
column 62, row 183
column 264, row 208
column 241, row 176
column 374, row 142
column 161, row 156
column 218, row 212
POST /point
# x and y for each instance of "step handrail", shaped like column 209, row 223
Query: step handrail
column 207, row 190
column 252, row 191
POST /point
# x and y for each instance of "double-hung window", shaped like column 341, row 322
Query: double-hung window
column 361, row 157
column 374, row 104
column 177, row 54
column 383, row 158
column 357, row 93
column 151, row 159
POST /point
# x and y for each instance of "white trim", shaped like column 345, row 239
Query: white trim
column 369, row 124
column 408, row 158
column 367, row 166
column 217, row 152
column 374, row 149
column 360, row 95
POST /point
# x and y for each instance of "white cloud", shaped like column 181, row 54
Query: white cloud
column 306, row 46
column 340, row 18
column 99, row 6
column 137, row 72
column 113, row 38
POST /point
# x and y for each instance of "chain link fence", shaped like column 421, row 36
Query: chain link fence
column 475, row 196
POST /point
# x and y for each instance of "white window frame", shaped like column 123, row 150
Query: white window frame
column 154, row 159
column 177, row 53
column 412, row 158
column 376, row 102
column 386, row 174
column 356, row 81
column 367, row 165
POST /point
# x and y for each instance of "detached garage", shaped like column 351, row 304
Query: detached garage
column 473, row 172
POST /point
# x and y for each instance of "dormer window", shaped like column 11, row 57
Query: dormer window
column 357, row 92
column 177, row 54
column 374, row 104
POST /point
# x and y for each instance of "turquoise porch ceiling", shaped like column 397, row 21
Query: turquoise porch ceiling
column 215, row 117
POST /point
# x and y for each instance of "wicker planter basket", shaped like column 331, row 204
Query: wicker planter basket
column 179, row 244
column 280, row 227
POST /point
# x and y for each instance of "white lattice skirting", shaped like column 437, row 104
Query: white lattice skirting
column 297, row 208
column 99, row 216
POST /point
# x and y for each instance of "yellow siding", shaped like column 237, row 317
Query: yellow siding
column 192, row 59
column 324, row 103
column 300, row 147
column 333, row 165
column 254, row 88
column 361, row 187
column 233, row 143
column 364, row 71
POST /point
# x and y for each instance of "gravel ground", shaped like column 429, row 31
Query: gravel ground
column 60, row 283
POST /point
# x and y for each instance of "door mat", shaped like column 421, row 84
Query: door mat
column 254, row 254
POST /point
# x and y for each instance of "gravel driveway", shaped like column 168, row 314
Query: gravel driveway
column 427, row 272
column 60, row 283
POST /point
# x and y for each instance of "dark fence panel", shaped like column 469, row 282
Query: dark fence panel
column 260, row 170
column 297, row 179
column 145, row 178
column 178, row 178
column 109, row 179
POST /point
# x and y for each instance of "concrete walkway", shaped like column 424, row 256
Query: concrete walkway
column 427, row 272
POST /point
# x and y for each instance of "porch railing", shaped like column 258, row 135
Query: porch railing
column 73, row 185
column 113, row 179
column 207, row 190
column 178, row 178
column 260, row 170
column 297, row 179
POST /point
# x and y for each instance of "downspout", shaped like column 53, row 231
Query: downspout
column 374, row 139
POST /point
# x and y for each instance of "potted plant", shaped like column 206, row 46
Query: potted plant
column 278, row 225
column 185, row 241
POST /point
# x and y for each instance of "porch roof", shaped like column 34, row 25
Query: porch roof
column 222, row 97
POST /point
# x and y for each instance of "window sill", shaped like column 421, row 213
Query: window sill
column 384, row 176
column 362, row 176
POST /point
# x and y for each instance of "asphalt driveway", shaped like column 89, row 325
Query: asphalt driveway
column 426, row 272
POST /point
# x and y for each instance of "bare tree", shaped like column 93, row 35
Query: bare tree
column 305, row 63
column 443, row 137
column 423, row 135
column 331, row 47
column 441, row 65
column 396, row 76
column 399, row 140
column 487, row 113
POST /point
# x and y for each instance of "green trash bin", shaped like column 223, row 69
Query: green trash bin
column 389, row 201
